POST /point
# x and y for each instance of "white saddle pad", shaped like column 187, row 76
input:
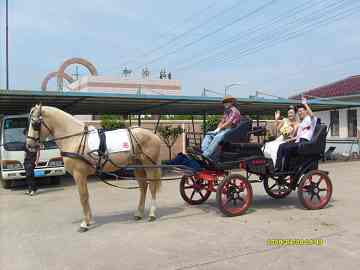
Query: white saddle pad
column 116, row 140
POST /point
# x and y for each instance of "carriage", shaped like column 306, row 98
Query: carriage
column 233, row 189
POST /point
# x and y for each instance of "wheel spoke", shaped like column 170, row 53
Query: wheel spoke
column 273, row 186
column 202, row 196
column 318, row 196
column 192, row 194
column 188, row 187
column 320, row 179
column 312, row 196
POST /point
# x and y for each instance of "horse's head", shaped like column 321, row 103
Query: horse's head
column 38, row 130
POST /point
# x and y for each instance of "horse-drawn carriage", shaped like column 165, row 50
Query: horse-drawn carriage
column 233, row 190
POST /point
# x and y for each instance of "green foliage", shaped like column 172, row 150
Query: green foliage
column 184, row 117
column 169, row 135
column 211, row 122
column 111, row 122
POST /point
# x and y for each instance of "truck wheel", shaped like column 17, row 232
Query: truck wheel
column 6, row 183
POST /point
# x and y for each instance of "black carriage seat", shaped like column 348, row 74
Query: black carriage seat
column 240, row 133
column 235, row 145
column 309, row 153
column 316, row 147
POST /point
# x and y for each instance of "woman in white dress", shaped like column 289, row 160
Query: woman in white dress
column 287, row 128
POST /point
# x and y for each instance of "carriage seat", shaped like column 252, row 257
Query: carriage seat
column 240, row 133
column 237, row 151
column 317, row 144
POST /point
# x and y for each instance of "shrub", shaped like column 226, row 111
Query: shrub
column 111, row 122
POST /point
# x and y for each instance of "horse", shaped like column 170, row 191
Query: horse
column 68, row 133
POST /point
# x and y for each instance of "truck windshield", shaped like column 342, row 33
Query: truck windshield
column 14, row 137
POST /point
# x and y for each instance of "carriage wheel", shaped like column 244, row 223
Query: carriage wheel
column 315, row 190
column 279, row 188
column 194, row 191
column 234, row 195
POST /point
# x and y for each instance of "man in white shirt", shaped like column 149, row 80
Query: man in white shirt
column 304, row 134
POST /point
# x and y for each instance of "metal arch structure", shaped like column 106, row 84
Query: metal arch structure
column 52, row 75
column 61, row 72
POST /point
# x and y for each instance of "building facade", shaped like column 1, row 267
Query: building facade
column 345, row 129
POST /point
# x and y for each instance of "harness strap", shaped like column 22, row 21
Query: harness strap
column 132, row 136
column 76, row 156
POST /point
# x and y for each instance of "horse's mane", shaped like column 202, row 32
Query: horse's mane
column 69, row 118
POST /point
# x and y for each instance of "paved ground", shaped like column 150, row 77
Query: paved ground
column 41, row 232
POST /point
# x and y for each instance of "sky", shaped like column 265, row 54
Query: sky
column 279, row 47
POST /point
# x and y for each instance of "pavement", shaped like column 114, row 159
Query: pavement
column 41, row 232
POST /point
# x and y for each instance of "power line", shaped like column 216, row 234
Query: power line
column 253, row 12
column 179, row 36
column 263, row 35
column 295, row 34
column 263, row 41
column 333, row 65
column 251, row 31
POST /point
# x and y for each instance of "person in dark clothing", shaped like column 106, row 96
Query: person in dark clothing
column 29, row 165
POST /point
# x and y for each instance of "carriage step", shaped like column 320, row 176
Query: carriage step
column 283, row 173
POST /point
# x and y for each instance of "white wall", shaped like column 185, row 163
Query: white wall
column 341, row 142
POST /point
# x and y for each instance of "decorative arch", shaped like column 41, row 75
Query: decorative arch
column 71, row 61
column 52, row 75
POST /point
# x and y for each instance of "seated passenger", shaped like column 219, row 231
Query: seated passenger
column 230, row 120
column 287, row 128
column 303, row 135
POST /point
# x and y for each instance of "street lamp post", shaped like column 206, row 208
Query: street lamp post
column 231, row 85
column 7, row 43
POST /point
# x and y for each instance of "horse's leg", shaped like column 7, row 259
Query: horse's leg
column 81, row 181
column 140, row 174
column 154, row 189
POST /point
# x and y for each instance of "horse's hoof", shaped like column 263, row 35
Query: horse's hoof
column 137, row 218
column 83, row 229
column 152, row 218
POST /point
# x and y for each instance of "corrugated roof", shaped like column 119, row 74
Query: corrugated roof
column 16, row 101
column 345, row 87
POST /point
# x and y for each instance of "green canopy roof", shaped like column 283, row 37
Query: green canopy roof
column 20, row 101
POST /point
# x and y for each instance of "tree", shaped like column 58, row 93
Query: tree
column 111, row 122
column 169, row 135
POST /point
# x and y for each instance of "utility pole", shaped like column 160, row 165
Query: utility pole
column 7, row 44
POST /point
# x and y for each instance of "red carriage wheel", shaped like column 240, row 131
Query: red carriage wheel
column 194, row 191
column 234, row 195
column 315, row 190
column 278, row 188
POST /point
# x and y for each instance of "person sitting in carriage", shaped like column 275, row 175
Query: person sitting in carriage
column 304, row 134
column 287, row 128
column 229, row 121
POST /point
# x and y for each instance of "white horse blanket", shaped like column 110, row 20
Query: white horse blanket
column 116, row 140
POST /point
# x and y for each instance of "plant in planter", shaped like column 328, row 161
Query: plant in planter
column 169, row 135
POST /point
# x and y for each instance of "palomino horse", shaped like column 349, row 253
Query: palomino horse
column 45, row 121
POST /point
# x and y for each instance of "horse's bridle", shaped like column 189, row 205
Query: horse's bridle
column 36, row 126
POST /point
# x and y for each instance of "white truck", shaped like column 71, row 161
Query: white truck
column 50, row 163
